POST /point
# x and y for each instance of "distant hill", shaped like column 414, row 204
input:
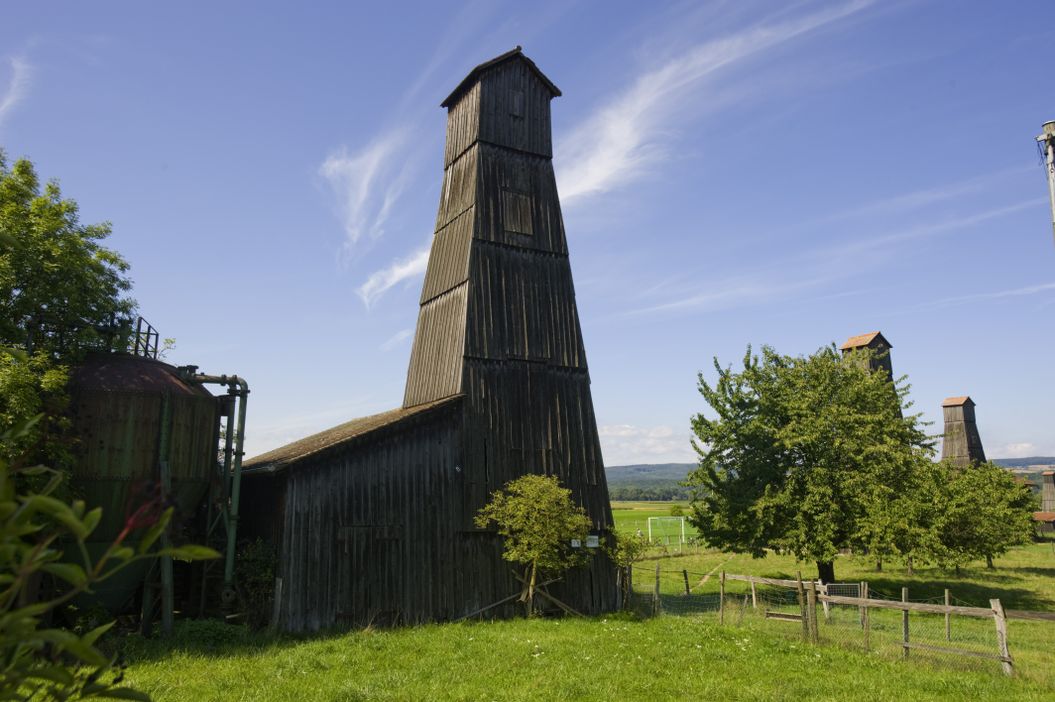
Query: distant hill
column 1024, row 462
column 662, row 481
column 657, row 481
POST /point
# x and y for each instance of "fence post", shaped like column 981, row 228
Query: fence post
column 721, row 599
column 685, row 575
column 948, row 618
column 812, row 610
column 867, row 620
column 827, row 609
column 655, row 594
column 862, row 592
column 904, row 624
column 754, row 595
column 1001, row 635
column 802, row 609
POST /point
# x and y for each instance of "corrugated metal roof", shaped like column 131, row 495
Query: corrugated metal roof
column 863, row 340
column 356, row 429
column 1044, row 516
column 956, row 401
column 475, row 73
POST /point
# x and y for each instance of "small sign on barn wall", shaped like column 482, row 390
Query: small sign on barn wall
column 575, row 543
column 592, row 541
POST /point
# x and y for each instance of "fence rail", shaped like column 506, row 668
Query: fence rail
column 938, row 629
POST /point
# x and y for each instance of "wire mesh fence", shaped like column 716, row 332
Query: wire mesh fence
column 940, row 630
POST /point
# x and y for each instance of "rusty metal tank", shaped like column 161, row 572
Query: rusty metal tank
column 129, row 415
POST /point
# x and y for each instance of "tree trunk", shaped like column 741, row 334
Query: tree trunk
column 989, row 562
column 826, row 571
column 879, row 566
column 910, row 571
column 531, row 590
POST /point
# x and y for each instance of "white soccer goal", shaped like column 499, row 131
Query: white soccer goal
column 666, row 530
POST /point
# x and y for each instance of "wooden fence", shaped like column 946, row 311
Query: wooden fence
column 811, row 593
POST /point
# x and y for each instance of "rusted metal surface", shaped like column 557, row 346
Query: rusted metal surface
column 117, row 419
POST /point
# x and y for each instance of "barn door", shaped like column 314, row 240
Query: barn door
column 370, row 563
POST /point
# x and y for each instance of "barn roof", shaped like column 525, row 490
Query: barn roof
column 862, row 340
column 357, row 429
column 516, row 53
column 1044, row 516
column 957, row 401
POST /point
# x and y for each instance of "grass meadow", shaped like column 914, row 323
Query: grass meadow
column 681, row 655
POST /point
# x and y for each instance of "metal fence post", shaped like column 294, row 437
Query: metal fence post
column 655, row 594
column 904, row 624
column 948, row 617
column 721, row 599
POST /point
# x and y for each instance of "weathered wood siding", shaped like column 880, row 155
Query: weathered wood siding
column 369, row 532
column 962, row 443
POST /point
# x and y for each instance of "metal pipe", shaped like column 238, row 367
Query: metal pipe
column 1048, row 140
column 240, row 389
column 236, row 482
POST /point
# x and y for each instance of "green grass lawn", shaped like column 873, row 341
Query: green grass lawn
column 584, row 659
column 682, row 655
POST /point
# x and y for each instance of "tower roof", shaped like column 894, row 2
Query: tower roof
column 516, row 54
column 862, row 340
column 957, row 401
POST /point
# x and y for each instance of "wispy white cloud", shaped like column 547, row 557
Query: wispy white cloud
column 781, row 280
column 1017, row 450
column 995, row 295
column 396, row 339
column 17, row 86
column 395, row 273
column 904, row 203
column 367, row 184
column 624, row 444
column 626, row 137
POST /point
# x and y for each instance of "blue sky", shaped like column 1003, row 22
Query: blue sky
column 783, row 173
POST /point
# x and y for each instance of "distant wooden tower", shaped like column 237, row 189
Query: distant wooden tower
column 876, row 343
column 1047, row 491
column 962, row 444
column 375, row 517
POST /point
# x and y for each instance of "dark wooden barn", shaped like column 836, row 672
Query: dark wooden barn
column 962, row 444
column 373, row 519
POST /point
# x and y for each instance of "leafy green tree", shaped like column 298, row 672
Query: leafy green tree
column 62, row 293
column 986, row 513
column 538, row 521
column 794, row 453
column 625, row 551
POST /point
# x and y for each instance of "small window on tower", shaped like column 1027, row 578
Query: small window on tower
column 516, row 104
column 516, row 212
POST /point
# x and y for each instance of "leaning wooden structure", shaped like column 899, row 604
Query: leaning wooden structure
column 962, row 443
column 373, row 519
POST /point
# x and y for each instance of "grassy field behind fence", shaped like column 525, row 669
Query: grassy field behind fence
column 684, row 654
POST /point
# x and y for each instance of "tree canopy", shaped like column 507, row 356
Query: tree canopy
column 814, row 455
column 798, row 449
column 538, row 522
column 61, row 293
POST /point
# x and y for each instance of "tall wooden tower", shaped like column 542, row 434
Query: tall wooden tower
column 373, row 519
column 498, row 321
column 962, row 444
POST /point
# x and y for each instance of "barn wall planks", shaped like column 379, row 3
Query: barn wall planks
column 368, row 531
